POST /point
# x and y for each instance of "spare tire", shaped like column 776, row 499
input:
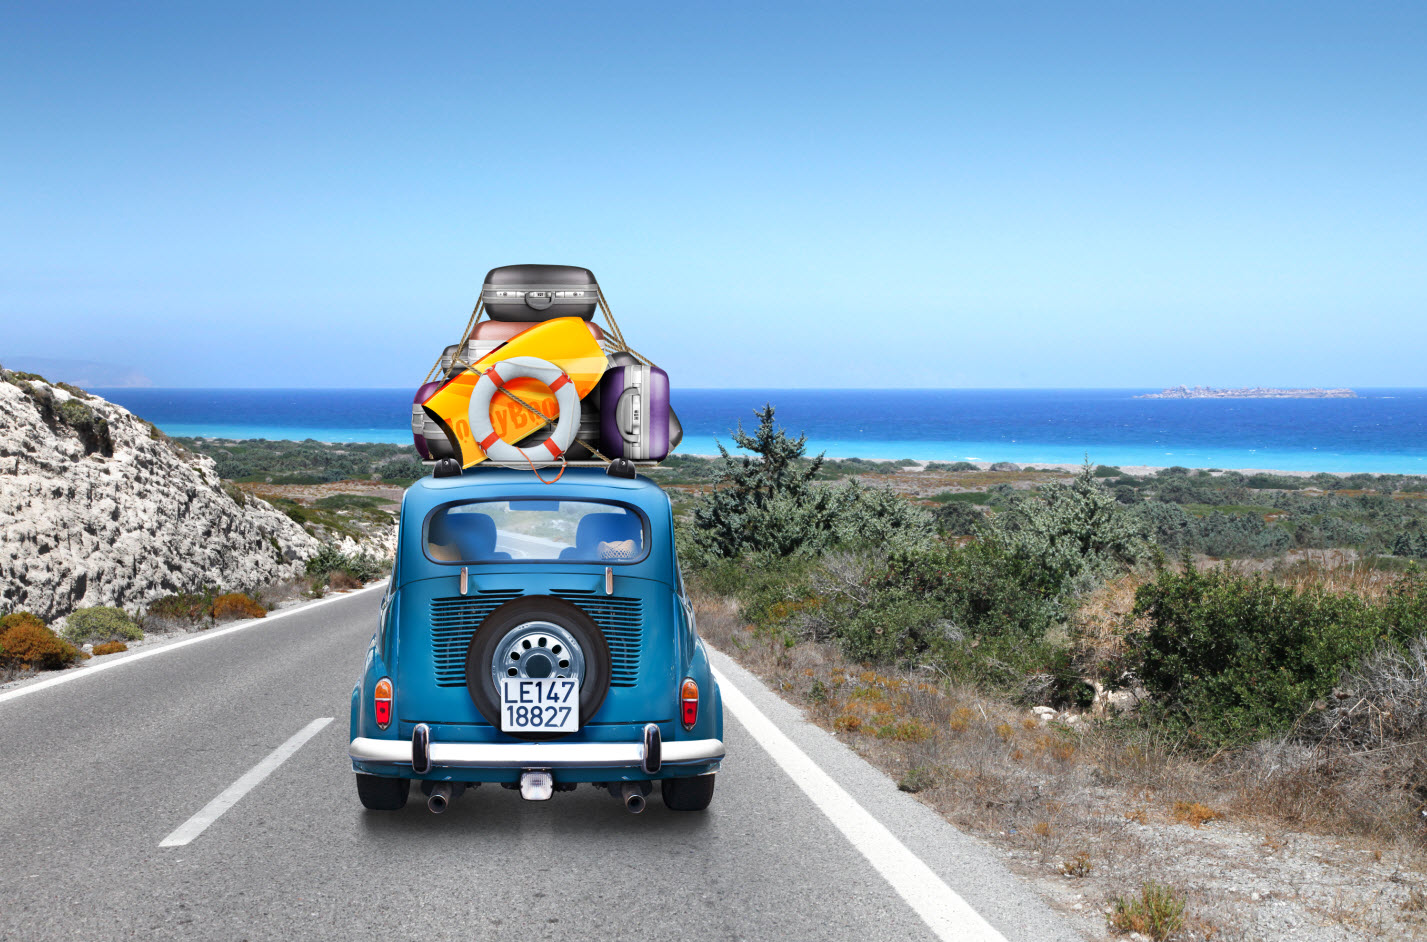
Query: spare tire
column 538, row 615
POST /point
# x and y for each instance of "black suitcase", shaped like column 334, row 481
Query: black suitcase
column 540, row 292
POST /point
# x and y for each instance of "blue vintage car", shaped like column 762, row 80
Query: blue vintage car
column 536, row 636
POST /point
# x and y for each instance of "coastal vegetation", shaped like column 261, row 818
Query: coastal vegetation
column 27, row 644
column 330, row 562
column 1224, row 647
column 101, row 623
column 308, row 462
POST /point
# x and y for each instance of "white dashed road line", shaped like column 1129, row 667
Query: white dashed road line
column 944, row 912
column 230, row 796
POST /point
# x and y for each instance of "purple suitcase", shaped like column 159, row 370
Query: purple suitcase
column 634, row 412
column 431, row 443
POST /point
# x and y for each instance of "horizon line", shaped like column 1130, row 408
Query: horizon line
column 784, row 388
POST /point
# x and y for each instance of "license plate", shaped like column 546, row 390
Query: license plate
column 551, row 705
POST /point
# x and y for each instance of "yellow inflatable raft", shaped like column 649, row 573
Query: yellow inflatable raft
column 565, row 342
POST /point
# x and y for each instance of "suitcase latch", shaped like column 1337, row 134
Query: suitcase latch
column 539, row 300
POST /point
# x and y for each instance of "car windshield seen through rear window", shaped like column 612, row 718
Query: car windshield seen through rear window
column 535, row 530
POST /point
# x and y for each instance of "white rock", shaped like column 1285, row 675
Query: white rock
column 1043, row 711
column 84, row 528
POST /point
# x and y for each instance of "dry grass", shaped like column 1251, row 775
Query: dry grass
column 1051, row 793
column 339, row 581
column 1194, row 813
column 232, row 606
column 1099, row 627
column 1078, row 866
column 1334, row 571
column 992, row 766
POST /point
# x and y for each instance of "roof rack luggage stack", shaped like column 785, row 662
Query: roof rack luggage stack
column 538, row 382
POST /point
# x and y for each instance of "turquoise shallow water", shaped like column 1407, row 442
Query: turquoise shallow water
column 1383, row 431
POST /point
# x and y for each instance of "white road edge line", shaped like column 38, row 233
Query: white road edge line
column 92, row 669
column 230, row 796
column 948, row 915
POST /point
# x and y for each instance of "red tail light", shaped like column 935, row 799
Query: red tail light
column 689, row 704
column 382, row 701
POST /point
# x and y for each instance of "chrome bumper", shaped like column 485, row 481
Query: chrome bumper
column 535, row 755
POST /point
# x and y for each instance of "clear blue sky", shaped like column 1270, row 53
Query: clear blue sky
column 810, row 194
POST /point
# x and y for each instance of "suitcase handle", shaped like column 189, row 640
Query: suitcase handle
column 626, row 410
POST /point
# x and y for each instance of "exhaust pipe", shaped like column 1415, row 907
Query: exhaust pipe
column 633, row 797
column 442, row 794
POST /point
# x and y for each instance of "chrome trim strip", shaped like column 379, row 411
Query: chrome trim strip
column 381, row 750
column 535, row 755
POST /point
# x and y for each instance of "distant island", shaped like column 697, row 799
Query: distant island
column 1248, row 392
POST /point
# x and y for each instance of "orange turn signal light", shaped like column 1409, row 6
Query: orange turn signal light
column 382, row 703
column 689, row 703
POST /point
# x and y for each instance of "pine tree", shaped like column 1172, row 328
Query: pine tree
column 749, row 489
column 770, row 502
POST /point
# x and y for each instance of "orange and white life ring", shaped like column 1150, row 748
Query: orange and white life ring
column 567, row 426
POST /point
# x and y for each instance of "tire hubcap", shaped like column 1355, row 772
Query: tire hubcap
column 537, row 650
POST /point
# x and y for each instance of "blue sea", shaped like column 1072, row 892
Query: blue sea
column 1383, row 431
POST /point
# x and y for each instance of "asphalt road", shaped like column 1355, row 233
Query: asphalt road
column 98, row 771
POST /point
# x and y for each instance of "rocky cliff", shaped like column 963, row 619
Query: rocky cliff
column 98, row 508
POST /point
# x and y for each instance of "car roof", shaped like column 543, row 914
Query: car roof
column 497, row 483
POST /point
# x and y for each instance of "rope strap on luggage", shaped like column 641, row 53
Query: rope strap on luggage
column 458, row 359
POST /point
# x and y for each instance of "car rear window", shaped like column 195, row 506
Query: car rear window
column 536, row 530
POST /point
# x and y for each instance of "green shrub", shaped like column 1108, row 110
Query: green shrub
column 1220, row 534
column 917, row 779
column 1169, row 526
column 28, row 644
column 1106, row 471
column 329, row 559
column 325, row 560
column 352, row 502
column 959, row 518
column 1412, row 545
column 101, row 623
column 756, row 581
column 308, row 462
column 961, row 497
column 1234, row 658
column 92, row 428
column 976, row 612
column 1263, row 481
column 1073, row 534
column 1157, row 912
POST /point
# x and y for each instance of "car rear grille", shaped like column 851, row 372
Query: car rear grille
column 622, row 621
column 455, row 620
